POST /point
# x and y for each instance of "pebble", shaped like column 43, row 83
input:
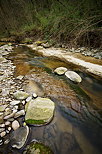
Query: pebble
column 2, row 125
column 9, row 116
column 35, row 95
column 14, row 102
column 9, row 128
column 15, row 125
column 2, row 129
column 19, row 113
column 23, row 102
column 28, row 99
column 7, row 123
column 7, row 141
column 3, row 134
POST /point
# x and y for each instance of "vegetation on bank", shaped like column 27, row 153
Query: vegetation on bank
column 77, row 22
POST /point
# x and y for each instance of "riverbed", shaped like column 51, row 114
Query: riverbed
column 76, row 125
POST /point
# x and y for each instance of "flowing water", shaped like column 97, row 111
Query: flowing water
column 76, row 126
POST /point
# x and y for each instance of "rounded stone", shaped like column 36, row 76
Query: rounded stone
column 3, row 134
column 15, row 125
column 39, row 111
column 60, row 70
column 73, row 76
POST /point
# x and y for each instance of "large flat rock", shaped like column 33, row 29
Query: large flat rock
column 39, row 111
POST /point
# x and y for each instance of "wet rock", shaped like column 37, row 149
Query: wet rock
column 19, row 113
column 7, row 141
column 19, row 137
column 15, row 125
column 75, row 106
column 39, row 111
column 73, row 76
column 60, row 70
column 33, row 87
column 20, row 95
column 37, row 148
column 15, row 102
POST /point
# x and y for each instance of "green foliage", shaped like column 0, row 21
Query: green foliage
column 60, row 19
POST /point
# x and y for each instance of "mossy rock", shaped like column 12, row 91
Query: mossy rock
column 39, row 111
column 37, row 148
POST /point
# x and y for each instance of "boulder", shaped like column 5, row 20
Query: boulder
column 20, row 95
column 39, row 111
column 60, row 70
column 73, row 76
column 19, row 137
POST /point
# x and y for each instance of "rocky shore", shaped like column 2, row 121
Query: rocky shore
column 12, row 105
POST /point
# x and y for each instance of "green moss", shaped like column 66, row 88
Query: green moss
column 30, row 121
column 38, row 147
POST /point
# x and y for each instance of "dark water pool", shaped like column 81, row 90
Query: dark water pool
column 77, row 125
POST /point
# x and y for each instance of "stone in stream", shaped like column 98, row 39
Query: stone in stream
column 15, row 125
column 73, row 76
column 37, row 148
column 33, row 87
column 39, row 111
column 19, row 137
column 60, row 70
column 20, row 95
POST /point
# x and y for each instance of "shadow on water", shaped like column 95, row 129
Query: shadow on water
column 76, row 126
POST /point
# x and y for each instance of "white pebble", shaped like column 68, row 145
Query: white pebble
column 14, row 102
column 35, row 95
column 28, row 99
column 15, row 125
column 3, row 134
column 9, row 128
column 19, row 113
column 7, row 123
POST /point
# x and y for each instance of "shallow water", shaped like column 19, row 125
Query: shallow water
column 76, row 126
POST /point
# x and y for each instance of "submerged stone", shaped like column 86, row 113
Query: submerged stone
column 19, row 137
column 60, row 70
column 20, row 95
column 33, row 87
column 73, row 76
column 39, row 111
column 37, row 148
